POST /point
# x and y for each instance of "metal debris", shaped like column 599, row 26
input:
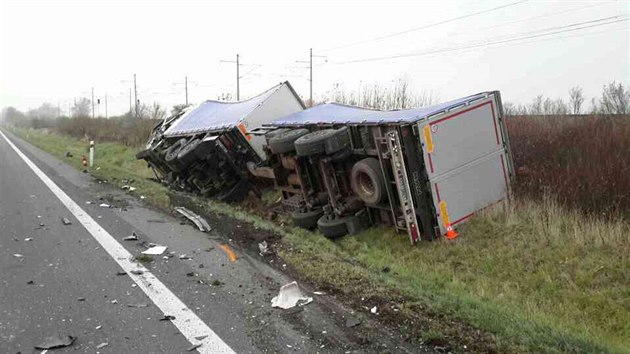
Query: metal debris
column 200, row 222
column 104, row 205
column 121, row 273
column 290, row 295
column 66, row 221
column 183, row 256
column 104, row 344
column 17, row 255
column 201, row 337
column 263, row 248
column 167, row 318
column 140, row 305
column 30, row 282
column 190, row 274
column 28, row 239
column 81, row 299
column 56, row 342
column 155, row 250
column 319, row 293
column 193, row 347
column 132, row 237
column 137, row 272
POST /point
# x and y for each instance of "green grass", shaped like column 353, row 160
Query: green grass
column 533, row 276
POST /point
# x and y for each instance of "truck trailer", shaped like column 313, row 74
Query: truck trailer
column 424, row 171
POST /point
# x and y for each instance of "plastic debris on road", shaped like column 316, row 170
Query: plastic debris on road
column 56, row 341
column 290, row 295
column 167, row 318
column 263, row 248
column 155, row 250
column 132, row 237
column 66, row 221
column 28, row 239
column 200, row 222
column 102, row 345
column 193, row 347
column 104, row 205
column 17, row 255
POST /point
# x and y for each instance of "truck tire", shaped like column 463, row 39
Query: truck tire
column 326, row 141
column 332, row 227
column 367, row 180
column 186, row 154
column 236, row 193
column 282, row 142
column 143, row 155
column 308, row 219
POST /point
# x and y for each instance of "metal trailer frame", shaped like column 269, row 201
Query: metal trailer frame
column 406, row 150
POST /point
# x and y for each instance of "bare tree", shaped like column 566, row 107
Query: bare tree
column 615, row 99
column 576, row 99
column 178, row 108
column 157, row 112
column 82, row 108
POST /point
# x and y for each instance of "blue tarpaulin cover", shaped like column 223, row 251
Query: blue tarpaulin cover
column 217, row 115
column 334, row 113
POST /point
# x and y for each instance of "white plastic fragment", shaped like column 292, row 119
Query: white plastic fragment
column 290, row 295
column 103, row 205
column 373, row 310
column 155, row 250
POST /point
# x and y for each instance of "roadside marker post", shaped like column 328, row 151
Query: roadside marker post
column 91, row 153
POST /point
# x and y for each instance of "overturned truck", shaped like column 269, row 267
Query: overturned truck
column 423, row 171
column 341, row 168
column 205, row 149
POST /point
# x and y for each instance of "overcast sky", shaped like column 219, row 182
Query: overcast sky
column 57, row 50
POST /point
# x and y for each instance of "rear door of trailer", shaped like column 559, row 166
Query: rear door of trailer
column 466, row 154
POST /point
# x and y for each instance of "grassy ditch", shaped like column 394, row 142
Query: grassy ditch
column 525, row 277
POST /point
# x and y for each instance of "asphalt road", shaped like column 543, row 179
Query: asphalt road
column 57, row 279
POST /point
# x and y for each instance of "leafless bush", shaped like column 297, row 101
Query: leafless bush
column 375, row 96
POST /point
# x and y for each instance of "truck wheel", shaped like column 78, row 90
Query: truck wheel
column 186, row 154
column 282, row 142
column 236, row 193
column 332, row 227
column 367, row 181
column 306, row 220
column 143, row 155
column 327, row 141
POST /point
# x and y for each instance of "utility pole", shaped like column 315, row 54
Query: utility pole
column 135, row 90
column 92, row 102
column 130, row 102
column 238, row 76
column 310, row 70
column 186, row 84
column 106, row 106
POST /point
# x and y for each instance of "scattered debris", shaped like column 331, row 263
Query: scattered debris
column 121, row 273
column 209, row 249
column 156, row 220
column 167, row 318
column 140, row 305
column 201, row 337
column 66, row 221
column 28, row 239
column 263, row 248
column 193, row 347
column 17, row 255
column 81, row 299
column 200, row 222
column 114, row 301
column 229, row 251
column 155, row 250
column 137, row 272
column 132, row 237
column 128, row 187
column 352, row 322
column 319, row 293
column 41, row 224
column 69, row 154
column 56, row 342
column 104, row 344
column 142, row 197
column 289, row 296
column 373, row 310
column 30, row 282
column 98, row 327
column 201, row 265
column 89, row 202
column 183, row 256
column 191, row 274
column 104, row 205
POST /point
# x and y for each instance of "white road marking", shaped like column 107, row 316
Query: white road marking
column 185, row 320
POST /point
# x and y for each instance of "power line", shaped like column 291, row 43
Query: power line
column 422, row 27
column 492, row 42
